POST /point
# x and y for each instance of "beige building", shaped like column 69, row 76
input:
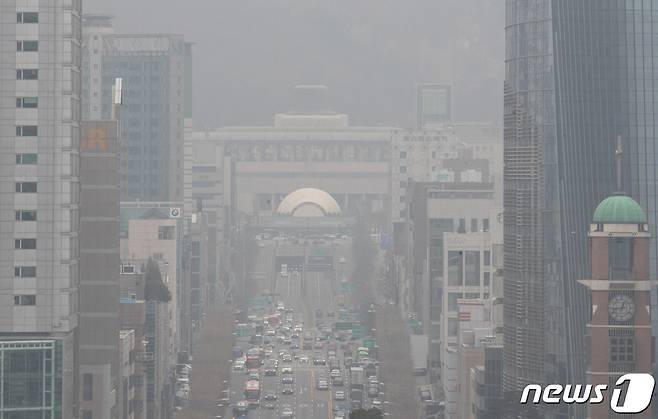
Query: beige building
column 126, row 391
column 157, row 239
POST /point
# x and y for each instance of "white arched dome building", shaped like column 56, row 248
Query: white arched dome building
column 308, row 202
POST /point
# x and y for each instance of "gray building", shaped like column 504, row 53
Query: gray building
column 39, row 198
column 433, row 104
column 578, row 74
column 99, row 273
column 155, row 105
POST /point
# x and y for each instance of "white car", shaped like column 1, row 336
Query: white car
column 339, row 395
column 238, row 366
column 286, row 370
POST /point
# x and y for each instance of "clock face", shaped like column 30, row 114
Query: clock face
column 621, row 308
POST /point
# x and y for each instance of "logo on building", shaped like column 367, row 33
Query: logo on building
column 636, row 389
column 174, row 212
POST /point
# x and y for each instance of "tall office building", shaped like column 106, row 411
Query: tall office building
column 39, row 197
column 99, row 276
column 152, row 67
column 578, row 74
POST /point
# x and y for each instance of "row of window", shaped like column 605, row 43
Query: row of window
column 27, row 130
column 27, row 17
column 27, row 102
column 25, row 271
column 26, row 158
column 27, row 46
column 25, row 300
column 27, row 74
column 26, row 187
column 25, row 244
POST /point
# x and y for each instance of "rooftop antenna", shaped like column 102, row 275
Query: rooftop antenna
column 619, row 154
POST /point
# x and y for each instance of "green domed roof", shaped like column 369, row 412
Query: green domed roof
column 619, row 209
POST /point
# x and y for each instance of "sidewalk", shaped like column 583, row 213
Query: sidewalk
column 211, row 365
column 396, row 365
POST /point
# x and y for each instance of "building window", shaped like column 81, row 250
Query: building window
column 87, row 387
column 455, row 268
column 25, row 271
column 26, row 215
column 403, row 154
column 472, row 268
column 403, row 169
column 26, row 158
column 25, row 244
column 474, row 225
column 27, row 46
column 462, row 226
column 27, row 102
column 622, row 349
column 26, row 187
column 452, row 300
column 453, row 327
column 27, row 74
column 166, row 232
column 485, row 224
column 620, row 257
column 27, row 17
column 26, row 130
column 487, row 258
column 87, row 414
column 25, row 300
column 487, row 279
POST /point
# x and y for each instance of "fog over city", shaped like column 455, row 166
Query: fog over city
column 370, row 52
column 336, row 209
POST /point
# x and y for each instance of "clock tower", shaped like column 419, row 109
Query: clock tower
column 619, row 339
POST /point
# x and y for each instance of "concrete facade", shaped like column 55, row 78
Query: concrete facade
column 39, row 155
column 99, row 276
column 154, row 79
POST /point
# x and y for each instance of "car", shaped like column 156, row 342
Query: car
column 322, row 385
column 286, row 358
column 287, row 380
column 294, row 345
column 373, row 391
column 254, row 376
column 376, row 403
column 339, row 395
column 286, row 370
column 287, row 390
column 270, row 332
column 287, row 412
column 335, row 373
column 238, row 366
column 337, row 381
column 303, row 359
column 270, row 405
column 270, row 396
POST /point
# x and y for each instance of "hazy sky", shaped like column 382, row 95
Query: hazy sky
column 249, row 53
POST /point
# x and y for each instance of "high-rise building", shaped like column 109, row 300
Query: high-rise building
column 155, row 104
column 619, row 332
column 578, row 74
column 39, row 198
column 433, row 104
column 99, row 276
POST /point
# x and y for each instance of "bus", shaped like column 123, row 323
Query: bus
column 252, row 392
column 253, row 358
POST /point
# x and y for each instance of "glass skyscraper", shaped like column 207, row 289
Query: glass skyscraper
column 579, row 73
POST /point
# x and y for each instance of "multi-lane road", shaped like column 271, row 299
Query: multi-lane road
column 304, row 293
